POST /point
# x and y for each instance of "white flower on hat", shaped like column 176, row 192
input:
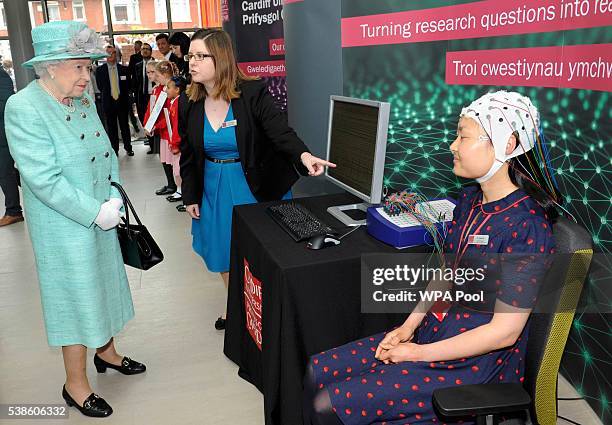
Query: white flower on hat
column 85, row 41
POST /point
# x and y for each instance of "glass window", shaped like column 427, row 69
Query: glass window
column 182, row 12
column 137, row 15
column 2, row 18
column 125, row 44
column 54, row 11
column 6, row 62
column 36, row 13
column 160, row 11
column 125, row 12
column 78, row 10
column 91, row 12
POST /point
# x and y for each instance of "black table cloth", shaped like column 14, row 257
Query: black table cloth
column 310, row 302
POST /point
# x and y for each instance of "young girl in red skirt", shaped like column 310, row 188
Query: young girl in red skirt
column 164, row 71
column 175, row 86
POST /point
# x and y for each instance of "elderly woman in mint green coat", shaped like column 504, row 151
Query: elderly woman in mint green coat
column 67, row 165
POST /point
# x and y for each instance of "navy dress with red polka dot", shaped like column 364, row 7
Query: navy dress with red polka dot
column 364, row 390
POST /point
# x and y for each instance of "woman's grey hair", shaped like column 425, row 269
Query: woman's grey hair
column 40, row 68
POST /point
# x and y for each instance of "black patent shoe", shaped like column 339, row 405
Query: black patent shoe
column 220, row 324
column 161, row 191
column 166, row 191
column 128, row 366
column 94, row 406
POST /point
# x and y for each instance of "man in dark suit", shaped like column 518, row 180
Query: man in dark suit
column 8, row 174
column 136, row 57
column 113, row 81
column 163, row 45
column 141, row 86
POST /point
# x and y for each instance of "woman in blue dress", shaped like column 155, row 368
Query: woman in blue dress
column 389, row 378
column 236, row 147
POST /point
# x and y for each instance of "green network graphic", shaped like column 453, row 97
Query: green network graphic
column 423, row 125
column 576, row 123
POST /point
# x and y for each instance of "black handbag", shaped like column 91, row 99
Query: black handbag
column 138, row 247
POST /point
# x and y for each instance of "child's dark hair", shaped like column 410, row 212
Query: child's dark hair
column 180, row 82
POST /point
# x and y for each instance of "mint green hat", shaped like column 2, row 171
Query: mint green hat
column 58, row 40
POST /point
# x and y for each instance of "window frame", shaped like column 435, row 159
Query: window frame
column 81, row 6
column 132, row 6
column 54, row 4
column 161, row 15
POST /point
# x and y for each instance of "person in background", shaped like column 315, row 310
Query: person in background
column 8, row 174
column 221, row 167
column 7, row 64
column 164, row 71
column 151, row 75
column 67, row 165
column 113, row 81
column 142, row 86
column 390, row 377
column 97, row 94
column 179, row 43
column 163, row 45
column 174, row 88
column 136, row 57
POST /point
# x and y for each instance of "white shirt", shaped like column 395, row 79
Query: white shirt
column 148, row 89
column 167, row 55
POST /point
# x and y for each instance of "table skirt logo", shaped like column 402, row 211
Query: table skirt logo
column 252, row 304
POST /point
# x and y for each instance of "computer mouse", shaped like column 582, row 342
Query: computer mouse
column 322, row 241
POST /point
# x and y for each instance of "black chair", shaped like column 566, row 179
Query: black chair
column 534, row 401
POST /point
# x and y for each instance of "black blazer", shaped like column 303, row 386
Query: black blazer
column 141, row 97
column 269, row 149
column 134, row 59
column 6, row 91
column 103, row 82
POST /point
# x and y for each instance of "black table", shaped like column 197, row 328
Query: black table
column 310, row 302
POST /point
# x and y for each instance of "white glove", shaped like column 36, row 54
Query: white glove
column 116, row 202
column 108, row 217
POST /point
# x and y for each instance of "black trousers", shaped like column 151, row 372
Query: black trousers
column 118, row 111
column 100, row 111
column 8, row 182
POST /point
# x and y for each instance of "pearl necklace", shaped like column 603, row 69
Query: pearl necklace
column 70, row 107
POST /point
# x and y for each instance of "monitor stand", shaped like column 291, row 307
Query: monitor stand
column 339, row 213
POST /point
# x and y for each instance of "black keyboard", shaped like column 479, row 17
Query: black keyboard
column 298, row 221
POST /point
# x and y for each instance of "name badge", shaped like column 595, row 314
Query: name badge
column 123, row 77
column 478, row 239
column 232, row 123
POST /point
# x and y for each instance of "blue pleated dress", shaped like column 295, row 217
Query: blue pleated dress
column 224, row 187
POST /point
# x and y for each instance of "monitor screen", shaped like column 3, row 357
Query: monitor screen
column 352, row 144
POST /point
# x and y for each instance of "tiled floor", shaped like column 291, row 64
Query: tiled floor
column 188, row 380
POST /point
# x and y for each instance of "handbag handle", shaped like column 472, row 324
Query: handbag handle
column 128, row 206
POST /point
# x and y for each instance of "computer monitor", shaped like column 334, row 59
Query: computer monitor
column 357, row 143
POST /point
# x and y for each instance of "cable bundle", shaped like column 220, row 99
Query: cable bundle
column 417, row 206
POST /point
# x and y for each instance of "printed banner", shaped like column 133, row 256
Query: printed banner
column 256, row 27
column 252, row 304
column 587, row 67
column 432, row 57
